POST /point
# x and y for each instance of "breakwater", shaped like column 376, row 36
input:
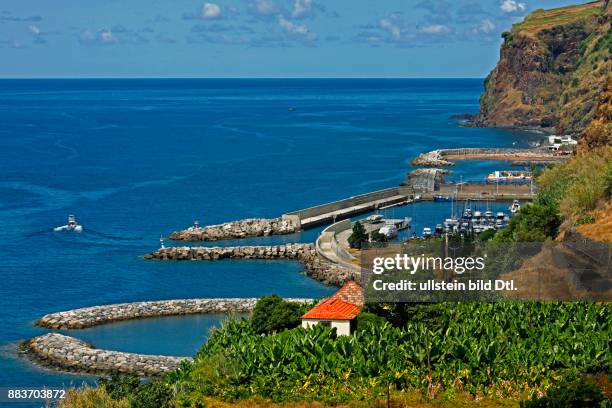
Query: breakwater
column 96, row 315
column 315, row 266
column 444, row 157
column 64, row 352
column 254, row 227
column 288, row 251
column 348, row 207
column 294, row 221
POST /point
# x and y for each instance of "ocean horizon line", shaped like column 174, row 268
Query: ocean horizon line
column 239, row 78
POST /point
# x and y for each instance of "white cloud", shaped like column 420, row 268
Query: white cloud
column 434, row 29
column 34, row 29
column 87, row 36
column 301, row 8
column 297, row 29
column 101, row 37
column 106, row 36
column 510, row 6
column 264, row 7
column 486, row 26
column 395, row 30
column 211, row 11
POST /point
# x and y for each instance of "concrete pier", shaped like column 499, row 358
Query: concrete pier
column 445, row 157
column 342, row 209
column 484, row 191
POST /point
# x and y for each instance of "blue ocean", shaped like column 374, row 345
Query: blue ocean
column 137, row 159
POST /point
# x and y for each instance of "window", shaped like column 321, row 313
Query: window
column 325, row 323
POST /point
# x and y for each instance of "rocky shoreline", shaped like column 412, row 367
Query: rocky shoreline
column 254, row 227
column 96, row 315
column 62, row 352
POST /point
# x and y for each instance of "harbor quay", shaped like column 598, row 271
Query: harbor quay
column 445, row 157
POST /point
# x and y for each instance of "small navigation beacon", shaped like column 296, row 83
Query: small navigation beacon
column 161, row 242
column 196, row 224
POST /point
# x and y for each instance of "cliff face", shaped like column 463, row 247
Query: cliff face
column 553, row 70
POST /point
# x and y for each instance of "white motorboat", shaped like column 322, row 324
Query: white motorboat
column 515, row 207
column 390, row 231
column 375, row 218
column 427, row 232
column 71, row 226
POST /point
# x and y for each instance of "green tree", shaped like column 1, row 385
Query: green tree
column 533, row 223
column 273, row 314
column 358, row 237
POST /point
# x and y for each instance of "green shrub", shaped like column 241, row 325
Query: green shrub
column 572, row 394
column 120, row 386
column 533, row 223
column 272, row 314
column 585, row 219
column 157, row 393
column 154, row 394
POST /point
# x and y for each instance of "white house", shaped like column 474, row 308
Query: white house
column 337, row 311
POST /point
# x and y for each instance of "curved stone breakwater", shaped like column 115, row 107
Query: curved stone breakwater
column 315, row 266
column 67, row 353
column 96, row 315
column 254, row 227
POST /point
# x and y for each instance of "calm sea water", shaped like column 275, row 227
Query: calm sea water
column 135, row 159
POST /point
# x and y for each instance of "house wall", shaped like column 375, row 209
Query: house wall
column 343, row 327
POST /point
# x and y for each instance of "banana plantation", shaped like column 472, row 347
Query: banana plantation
column 482, row 348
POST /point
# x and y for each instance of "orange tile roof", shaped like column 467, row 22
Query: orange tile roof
column 345, row 304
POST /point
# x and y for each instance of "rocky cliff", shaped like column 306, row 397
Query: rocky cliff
column 552, row 71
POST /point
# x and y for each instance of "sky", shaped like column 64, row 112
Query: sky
column 255, row 38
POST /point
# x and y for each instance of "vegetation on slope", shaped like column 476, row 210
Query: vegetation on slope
column 568, row 194
column 509, row 349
